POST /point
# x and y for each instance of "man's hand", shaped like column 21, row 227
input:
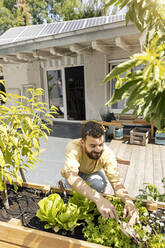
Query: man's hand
column 104, row 206
column 106, row 209
column 131, row 212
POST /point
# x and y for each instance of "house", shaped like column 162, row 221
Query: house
column 69, row 60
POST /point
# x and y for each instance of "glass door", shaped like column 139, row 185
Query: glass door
column 55, row 91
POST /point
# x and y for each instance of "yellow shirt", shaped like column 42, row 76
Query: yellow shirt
column 77, row 160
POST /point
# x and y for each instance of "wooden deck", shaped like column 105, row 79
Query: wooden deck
column 147, row 165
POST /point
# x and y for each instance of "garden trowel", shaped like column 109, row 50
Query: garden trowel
column 61, row 185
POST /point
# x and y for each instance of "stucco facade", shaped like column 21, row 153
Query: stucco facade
column 83, row 56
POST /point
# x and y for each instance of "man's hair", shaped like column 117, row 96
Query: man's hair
column 92, row 128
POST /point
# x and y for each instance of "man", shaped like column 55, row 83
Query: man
column 85, row 158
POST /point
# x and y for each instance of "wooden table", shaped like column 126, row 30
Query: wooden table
column 120, row 123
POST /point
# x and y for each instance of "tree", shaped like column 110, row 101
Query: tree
column 64, row 10
column 13, row 14
column 25, row 12
column 23, row 8
column 76, row 9
column 21, row 128
column 42, row 11
column 144, row 89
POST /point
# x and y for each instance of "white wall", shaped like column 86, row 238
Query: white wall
column 95, row 93
column 17, row 75
column 95, row 70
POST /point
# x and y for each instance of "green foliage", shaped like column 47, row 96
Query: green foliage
column 57, row 214
column 107, row 231
column 85, row 206
column 21, row 128
column 42, row 11
column 76, row 9
column 146, row 14
column 20, row 12
column 99, row 230
column 161, row 130
column 157, row 241
column 150, row 192
column 144, row 89
column 13, row 13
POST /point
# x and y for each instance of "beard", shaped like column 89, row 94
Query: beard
column 93, row 155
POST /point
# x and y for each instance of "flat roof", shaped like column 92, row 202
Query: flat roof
column 24, row 33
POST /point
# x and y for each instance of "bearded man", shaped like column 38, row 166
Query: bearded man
column 86, row 161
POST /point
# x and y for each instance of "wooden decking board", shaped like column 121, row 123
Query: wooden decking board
column 122, row 168
column 137, row 172
column 114, row 145
column 140, row 168
column 130, row 179
column 131, row 172
column 157, row 168
column 147, row 165
column 162, row 157
column 127, row 155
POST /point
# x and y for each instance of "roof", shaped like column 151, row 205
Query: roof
column 82, row 36
column 25, row 33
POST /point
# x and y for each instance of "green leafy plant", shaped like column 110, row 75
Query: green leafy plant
column 150, row 192
column 87, row 207
column 148, row 15
column 105, row 231
column 157, row 241
column 161, row 130
column 57, row 214
column 21, row 128
column 144, row 89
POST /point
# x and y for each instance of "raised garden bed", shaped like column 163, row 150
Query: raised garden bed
column 31, row 234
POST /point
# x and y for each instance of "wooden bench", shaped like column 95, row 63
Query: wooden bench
column 126, row 120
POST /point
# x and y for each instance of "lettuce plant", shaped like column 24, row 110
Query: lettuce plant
column 57, row 214
column 87, row 207
column 105, row 231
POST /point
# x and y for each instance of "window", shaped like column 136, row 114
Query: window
column 118, row 106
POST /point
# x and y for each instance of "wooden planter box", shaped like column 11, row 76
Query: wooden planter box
column 13, row 235
column 139, row 136
column 160, row 138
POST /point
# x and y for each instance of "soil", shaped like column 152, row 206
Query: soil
column 23, row 205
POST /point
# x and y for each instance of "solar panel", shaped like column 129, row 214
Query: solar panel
column 73, row 25
column 12, row 33
column 34, row 31
column 52, row 28
column 30, row 32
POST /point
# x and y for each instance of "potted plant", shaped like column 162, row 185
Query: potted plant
column 160, row 137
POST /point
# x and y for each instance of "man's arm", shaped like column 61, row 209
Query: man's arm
column 104, row 206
